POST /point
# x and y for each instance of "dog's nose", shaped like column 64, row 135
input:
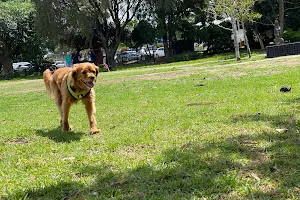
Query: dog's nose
column 92, row 77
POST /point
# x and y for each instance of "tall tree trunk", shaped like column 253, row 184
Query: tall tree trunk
column 7, row 65
column 109, row 56
column 281, row 17
column 1, row 66
column 110, row 60
column 166, row 45
column 166, row 39
column 171, row 35
column 110, row 51
column 235, row 39
column 256, row 33
column 246, row 40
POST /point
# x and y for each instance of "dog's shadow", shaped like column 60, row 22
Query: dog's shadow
column 58, row 135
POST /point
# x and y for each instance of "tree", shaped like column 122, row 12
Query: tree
column 217, row 40
column 103, row 21
column 16, row 32
column 235, row 11
column 245, row 14
column 172, row 14
column 144, row 33
column 286, row 12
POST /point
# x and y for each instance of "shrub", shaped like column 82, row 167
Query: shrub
column 184, row 57
column 291, row 36
column 217, row 40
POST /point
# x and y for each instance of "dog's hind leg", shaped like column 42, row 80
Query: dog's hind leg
column 58, row 99
column 58, row 102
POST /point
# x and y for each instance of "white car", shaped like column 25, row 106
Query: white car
column 59, row 64
column 160, row 52
column 128, row 56
column 20, row 66
column 143, row 51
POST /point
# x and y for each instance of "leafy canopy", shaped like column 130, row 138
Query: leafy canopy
column 15, row 24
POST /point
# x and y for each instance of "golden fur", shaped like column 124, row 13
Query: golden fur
column 105, row 66
column 83, row 76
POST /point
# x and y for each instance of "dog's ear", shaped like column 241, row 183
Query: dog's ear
column 97, row 70
column 73, row 76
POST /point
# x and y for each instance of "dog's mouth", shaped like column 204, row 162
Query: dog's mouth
column 90, row 84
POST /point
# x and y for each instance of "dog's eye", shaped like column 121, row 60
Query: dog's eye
column 93, row 71
column 84, row 72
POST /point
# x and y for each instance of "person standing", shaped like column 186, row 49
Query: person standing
column 75, row 58
column 69, row 61
column 92, row 56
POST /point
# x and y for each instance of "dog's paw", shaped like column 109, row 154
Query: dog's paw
column 67, row 128
column 95, row 131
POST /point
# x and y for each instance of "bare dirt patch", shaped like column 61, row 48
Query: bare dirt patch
column 24, row 91
column 18, row 141
column 224, row 70
column 19, row 82
column 203, row 103
column 153, row 76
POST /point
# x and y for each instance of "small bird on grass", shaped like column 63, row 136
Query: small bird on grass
column 285, row 88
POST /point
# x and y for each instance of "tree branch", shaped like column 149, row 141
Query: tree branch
column 223, row 27
column 292, row 8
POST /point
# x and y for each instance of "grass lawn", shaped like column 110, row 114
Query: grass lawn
column 205, row 129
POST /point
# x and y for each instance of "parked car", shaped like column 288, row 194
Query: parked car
column 59, row 64
column 145, row 52
column 20, row 66
column 128, row 56
column 160, row 52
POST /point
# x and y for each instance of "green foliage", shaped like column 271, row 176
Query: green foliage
column 241, row 10
column 292, row 17
column 99, row 23
column 188, row 31
column 173, row 16
column 216, row 39
column 183, row 57
column 291, row 36
column 15, row 25
column 18, row 38
column 63, row 23
column 269, row 13
column 143, row 33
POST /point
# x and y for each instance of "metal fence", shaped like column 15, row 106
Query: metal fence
column 283, row 50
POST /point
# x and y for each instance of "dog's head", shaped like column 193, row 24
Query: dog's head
column 84, row 75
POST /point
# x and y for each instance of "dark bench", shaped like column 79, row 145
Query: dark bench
column 283, row 50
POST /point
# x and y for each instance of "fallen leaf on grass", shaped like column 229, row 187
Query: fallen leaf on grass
column 203, row 103
column 255, row 176
column 95, row 193
column 200, row 84
column 68, row 158
column 281, row 130
column 119, row 183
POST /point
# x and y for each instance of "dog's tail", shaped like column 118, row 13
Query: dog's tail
column 48, row 79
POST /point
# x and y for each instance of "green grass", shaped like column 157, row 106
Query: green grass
column 164, row 136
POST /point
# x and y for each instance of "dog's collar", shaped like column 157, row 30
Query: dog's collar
column 74, row 94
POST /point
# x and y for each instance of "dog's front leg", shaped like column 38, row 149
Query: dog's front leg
column 65, row 116
column 91, row 111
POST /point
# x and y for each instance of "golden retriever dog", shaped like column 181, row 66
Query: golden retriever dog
column 105, row 66
column 70, row 85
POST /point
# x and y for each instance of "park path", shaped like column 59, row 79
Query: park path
column 12, row 87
